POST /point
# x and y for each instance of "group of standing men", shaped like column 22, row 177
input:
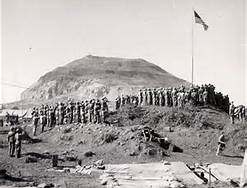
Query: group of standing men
column 177, row 97
column 93, row 111
column 14, row 140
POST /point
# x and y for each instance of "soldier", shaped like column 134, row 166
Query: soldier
column 200, row 95
column 205, row 96
column 97, row 108
column 60, row 113
column 149, row 97
column 169, row 96
column 181, row 99
column 72, row 107
column 11, row 141
column 231, row 112
column 165, row 95
column 18, row 140
column 52, row 116
column 211, row 93
column 86, row 111
column 145, row 95
column 221, row 144
column 68, row 113
column 140, row 97
column 117, row 102
column 104, row 109
column 136, row 101
column 46, row 114
column 83, row 112
column 162, row 98
column 49, row 116
column 35, row 116
column 91, row 111
column 193, row 96
column 78, row 112
column 155, row 99
column 56, row 114
column 226, row 103
column 128, row 99
column 174, row 96
column 123, row 100
column 43, row 121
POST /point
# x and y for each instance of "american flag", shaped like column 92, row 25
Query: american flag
column 199, row 20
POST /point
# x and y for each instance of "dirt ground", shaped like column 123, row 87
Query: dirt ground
column 195, row 131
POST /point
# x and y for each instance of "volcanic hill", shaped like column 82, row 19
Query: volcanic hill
column 94, row 76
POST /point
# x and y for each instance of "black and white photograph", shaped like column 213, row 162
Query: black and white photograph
column 123, row 94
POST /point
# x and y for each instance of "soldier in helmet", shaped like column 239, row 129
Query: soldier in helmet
column 97, row 108
column 60, row 112
column 83, row 112
column 193, row 96
column 169, row 96
column 86, row 111
column 140, row 97
column 91, row 110
column 165, row 95
column 53, row 116
column 154, row 94
column 43, row 121
column 162, row 98
column 117, row 101
column 11, row 141
column 123, row 100
column 105, row 109
column 174, row 97
column 35, row 116
column 205, row 96
column 18, row 141
column 78, row 112
column 72, row 108
column 145, row 99
column 200, row 95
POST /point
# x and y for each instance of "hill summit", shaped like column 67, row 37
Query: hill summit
column 94, row 77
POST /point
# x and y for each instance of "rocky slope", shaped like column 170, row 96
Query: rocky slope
column 94, row 76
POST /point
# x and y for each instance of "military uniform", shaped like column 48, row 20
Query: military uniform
column 18, row 141
column 91, row 111
column 117, row 101
column 11, row 141
column 78, row 112
column 150, row 97
column 200, row 95
column 104, row 109
column 205, row 97
column 174, row 97
column 83, row 112
column 140, row 97
column 35, row 115
column 86, row 111
column 43, row 121
column 221, row 145
column 97, row 112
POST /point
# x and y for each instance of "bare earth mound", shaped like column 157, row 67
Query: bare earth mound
column 94, row 77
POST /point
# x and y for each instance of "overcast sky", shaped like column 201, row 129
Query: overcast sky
column 39, row 35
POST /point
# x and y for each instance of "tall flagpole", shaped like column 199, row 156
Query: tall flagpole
column 192, row 47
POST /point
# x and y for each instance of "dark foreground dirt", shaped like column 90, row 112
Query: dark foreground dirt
column 194, row 130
